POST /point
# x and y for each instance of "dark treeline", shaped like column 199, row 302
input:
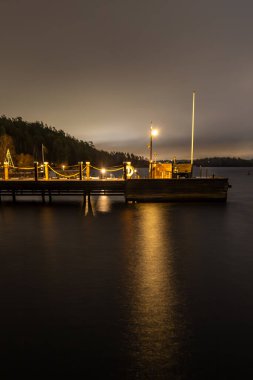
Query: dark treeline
column 25, row 141
column 223, row 161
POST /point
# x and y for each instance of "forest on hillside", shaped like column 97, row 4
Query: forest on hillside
column 30, row 141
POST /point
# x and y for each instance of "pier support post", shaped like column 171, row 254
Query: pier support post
column 151, row 169
column 80, row 170
column 46, row 171
column 87, row 170
column 6, row 171
column 128, row 169
column 35, row 171
column 125, row 171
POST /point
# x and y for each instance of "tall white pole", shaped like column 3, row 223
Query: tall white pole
column 150, row 151
column 193, row 122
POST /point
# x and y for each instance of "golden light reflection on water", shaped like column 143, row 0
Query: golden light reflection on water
column 153, row 292
column 103, row 204
column 92, row 205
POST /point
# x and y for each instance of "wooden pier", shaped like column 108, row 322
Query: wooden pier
column 139, row 190
column 166, row 183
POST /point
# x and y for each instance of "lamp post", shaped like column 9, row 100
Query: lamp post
column 153, row 133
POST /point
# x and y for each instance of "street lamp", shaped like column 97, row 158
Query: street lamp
column 153, row 133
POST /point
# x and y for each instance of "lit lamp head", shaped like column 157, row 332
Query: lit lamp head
column 103, row 171
column 154, row 132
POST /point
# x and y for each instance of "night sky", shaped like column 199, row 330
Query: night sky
column 101, row 70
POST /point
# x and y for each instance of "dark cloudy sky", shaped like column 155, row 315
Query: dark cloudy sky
column 103, row 69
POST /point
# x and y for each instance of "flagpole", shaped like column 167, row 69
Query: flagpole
column 193, row 124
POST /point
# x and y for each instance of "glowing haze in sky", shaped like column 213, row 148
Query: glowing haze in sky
column 101, row 70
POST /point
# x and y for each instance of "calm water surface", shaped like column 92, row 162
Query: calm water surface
column 138, row 291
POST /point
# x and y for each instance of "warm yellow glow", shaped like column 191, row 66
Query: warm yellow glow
column 152, row 286
column 63, row 167
column 103, row 204
column 103, row 171
column 154, row 132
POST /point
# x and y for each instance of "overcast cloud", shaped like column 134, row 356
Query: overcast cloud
column 102, row 70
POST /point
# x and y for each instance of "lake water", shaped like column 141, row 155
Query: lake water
column 137, row 291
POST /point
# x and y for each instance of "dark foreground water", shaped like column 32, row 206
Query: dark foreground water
column 138, row 291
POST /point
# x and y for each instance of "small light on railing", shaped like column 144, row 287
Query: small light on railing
column 103, row 171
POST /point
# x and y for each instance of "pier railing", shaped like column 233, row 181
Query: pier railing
column 80, row 171
column 87, row 171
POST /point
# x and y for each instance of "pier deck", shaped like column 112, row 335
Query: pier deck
column 140, row 190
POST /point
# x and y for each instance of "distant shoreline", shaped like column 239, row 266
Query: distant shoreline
column 223, row 162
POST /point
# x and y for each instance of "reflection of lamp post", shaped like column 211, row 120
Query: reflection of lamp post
column 153, row 133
